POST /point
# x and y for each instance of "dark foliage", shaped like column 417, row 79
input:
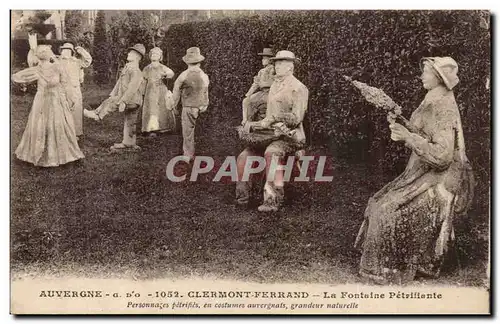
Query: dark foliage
column 36, row 23
column 41, row 16
column 381, row 48
column 101, row 50
column 73, row 27
column 126, row 31
column 22, row 89
column 20, row 48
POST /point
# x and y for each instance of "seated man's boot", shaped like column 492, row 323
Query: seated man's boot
column 273, row 198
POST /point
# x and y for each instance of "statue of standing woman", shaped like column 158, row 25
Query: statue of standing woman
column 49, row 139
column 158, row 113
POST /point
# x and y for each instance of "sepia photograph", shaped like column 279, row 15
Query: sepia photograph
column 250, row 161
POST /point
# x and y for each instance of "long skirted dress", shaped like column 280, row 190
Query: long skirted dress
column 157, row 111
column 408, row 224
column 49, row 138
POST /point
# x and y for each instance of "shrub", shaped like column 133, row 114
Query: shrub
column 73, row 25
column 381, row 48
column 126, row 31
column 101, row 51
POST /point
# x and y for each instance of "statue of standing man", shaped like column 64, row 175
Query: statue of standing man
column 191, row 87
column 125, row 97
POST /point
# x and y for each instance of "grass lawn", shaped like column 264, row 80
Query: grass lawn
column 119, row 216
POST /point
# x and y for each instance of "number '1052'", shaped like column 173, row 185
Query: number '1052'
column 166, row 294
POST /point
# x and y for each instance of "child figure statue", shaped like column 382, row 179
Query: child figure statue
column 255, row 102
column 157, row 111
column 126, row 97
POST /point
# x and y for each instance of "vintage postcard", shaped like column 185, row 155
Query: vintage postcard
column 250, row 162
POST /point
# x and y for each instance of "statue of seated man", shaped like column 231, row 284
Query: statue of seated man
column 285, row 109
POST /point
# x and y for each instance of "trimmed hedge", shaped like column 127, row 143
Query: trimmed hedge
column 101, row 50
column 73, row 24
column 381, row 48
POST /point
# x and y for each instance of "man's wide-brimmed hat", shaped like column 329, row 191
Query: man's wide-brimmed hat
column 139, row 48
column 68, row 46
column 267, row 52
column 193, row 56
column 285, row 56
column 445, row 67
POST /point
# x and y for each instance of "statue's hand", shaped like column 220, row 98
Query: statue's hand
column 399, row 132
column 247, row 127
